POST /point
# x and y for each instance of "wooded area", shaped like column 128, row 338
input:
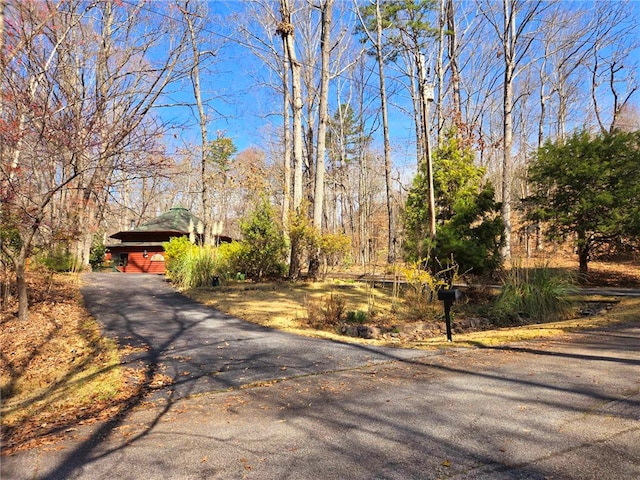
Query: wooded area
column 355, row 98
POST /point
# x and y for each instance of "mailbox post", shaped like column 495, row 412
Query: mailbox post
column 448, row 296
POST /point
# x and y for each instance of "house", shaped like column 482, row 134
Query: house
column 140, row 249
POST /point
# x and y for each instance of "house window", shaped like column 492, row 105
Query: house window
column 123, row 259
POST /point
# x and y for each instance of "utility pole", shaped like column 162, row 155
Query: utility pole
column 426, row 97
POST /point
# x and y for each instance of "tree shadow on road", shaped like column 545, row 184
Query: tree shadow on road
column 199, row 350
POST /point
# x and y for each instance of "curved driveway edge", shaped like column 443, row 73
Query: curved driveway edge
column 202, row 349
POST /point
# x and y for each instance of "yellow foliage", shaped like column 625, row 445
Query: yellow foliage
column 422, row 281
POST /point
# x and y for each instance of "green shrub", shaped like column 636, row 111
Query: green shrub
column 230, row 259
column 174, row 251
column 192, row 266
column 263, row 251
column 533, row 295
column 96, row 255
column 204, row 267
column 357, row 316
column 473, row 235
column 469, row 226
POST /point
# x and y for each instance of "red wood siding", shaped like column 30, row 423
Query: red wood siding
column 137, row 262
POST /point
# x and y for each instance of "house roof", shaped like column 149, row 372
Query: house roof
column 134, row 244
column 176, row 220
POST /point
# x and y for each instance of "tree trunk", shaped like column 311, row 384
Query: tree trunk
column 509, row 68
column 543, row 114
column 440, row 72
column 22, row 287
column 296, row 93
column 318, row 196
column 285, row 29
column 583, row 256
column 453, row 61
column 3, row 6
column 286, row 123
column 325, row 47
column 363, row 211
column 513, row 33
column 424, row 109
column 417, row 116
column 387, row 144
column 506, row 170
column 202, row 120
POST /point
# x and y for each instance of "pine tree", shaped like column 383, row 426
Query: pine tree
column 470, row 230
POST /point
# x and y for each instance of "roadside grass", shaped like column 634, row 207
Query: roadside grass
column 283, row 306
column 624, row 311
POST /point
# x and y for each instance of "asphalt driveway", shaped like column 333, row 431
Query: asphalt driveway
column 564, row 408
column 202, row 349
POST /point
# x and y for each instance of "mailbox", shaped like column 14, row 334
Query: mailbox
column 449, row 294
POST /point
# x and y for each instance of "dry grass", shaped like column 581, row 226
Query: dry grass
column 623, row 273
column 55, row 369
column 283, row 305
column 625, row 311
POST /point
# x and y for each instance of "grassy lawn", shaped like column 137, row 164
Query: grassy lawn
column 284, row 305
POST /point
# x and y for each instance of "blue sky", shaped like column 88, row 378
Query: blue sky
column 236, row 104
column 238, row 107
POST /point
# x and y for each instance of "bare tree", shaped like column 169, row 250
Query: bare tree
column 513, row 25
column 413, row 32
column 83, row 108
column 286, row 137
column 440, row 69
column 612, row 67
column 326, row 12
column 564, row 51
column 258, row 25
column 452, row 50
column 286, row 30
column 376, row 39
column 191, row 16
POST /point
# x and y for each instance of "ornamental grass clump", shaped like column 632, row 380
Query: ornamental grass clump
column 533, row 295
column 192, row 266
column 197, row 267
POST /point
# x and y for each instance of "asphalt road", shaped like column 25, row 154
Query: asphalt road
column 567, row 408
